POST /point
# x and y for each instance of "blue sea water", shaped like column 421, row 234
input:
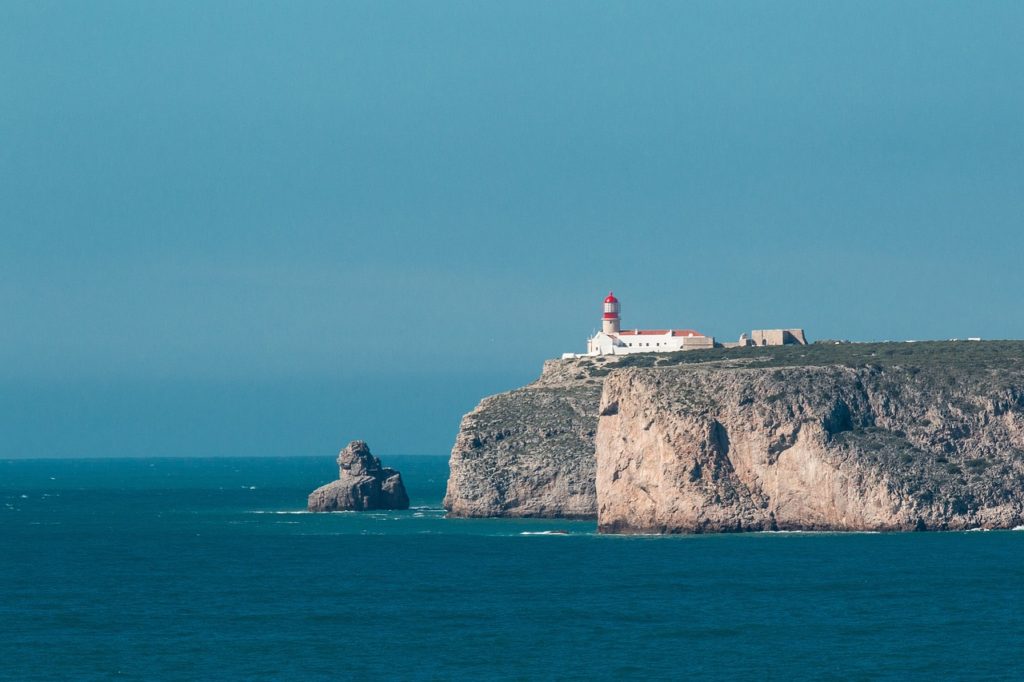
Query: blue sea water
column 180, row 569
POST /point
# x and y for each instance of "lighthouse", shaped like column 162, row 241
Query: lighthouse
column 610, row 320
column 611, row 340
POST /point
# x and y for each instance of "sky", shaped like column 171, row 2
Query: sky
column 267, row 228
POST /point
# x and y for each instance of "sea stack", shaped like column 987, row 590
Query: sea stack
column 362, row 484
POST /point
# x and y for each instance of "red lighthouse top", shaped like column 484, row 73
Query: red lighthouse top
column 611, row 309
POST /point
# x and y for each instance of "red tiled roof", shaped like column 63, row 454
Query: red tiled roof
column 659, row 332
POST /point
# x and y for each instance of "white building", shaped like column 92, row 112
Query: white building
column 612, row 340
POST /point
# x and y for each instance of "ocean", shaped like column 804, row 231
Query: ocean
column 182, row 569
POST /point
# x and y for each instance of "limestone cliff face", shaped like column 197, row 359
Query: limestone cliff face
column 530, row 452
column 726, row 448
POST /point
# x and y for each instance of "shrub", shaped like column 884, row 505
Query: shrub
column 638, row 360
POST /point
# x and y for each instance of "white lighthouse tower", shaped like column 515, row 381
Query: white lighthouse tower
column 610, row 321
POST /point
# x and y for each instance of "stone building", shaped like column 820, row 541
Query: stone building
column 777, row 337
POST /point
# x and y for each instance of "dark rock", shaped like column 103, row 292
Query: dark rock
column 362, row 484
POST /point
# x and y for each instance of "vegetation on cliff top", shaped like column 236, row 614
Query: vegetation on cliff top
column 953, row 355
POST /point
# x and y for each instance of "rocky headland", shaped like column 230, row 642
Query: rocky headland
column 894, row 436
column 530, row 452
column 362, row 484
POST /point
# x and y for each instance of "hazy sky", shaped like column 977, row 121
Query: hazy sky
column 268, row 228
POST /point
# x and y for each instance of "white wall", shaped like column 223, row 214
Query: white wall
column 603, row 344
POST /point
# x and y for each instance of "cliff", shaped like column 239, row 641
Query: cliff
column 530, row 452
column 853, row 437
column 827, row 436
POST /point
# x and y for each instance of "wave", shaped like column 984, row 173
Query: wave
column 818, row 532
column 371, row 514
column 545, row 532
column 266, row 511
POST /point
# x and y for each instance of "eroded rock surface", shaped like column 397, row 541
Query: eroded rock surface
column 362, row 484
column 939, row 445
column 530, row 452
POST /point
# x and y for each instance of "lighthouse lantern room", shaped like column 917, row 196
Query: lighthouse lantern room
column 610, row 321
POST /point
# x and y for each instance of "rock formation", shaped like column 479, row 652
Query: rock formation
column 897, row 447
column 530, row 452
column 827, row 436
column 362, row 484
